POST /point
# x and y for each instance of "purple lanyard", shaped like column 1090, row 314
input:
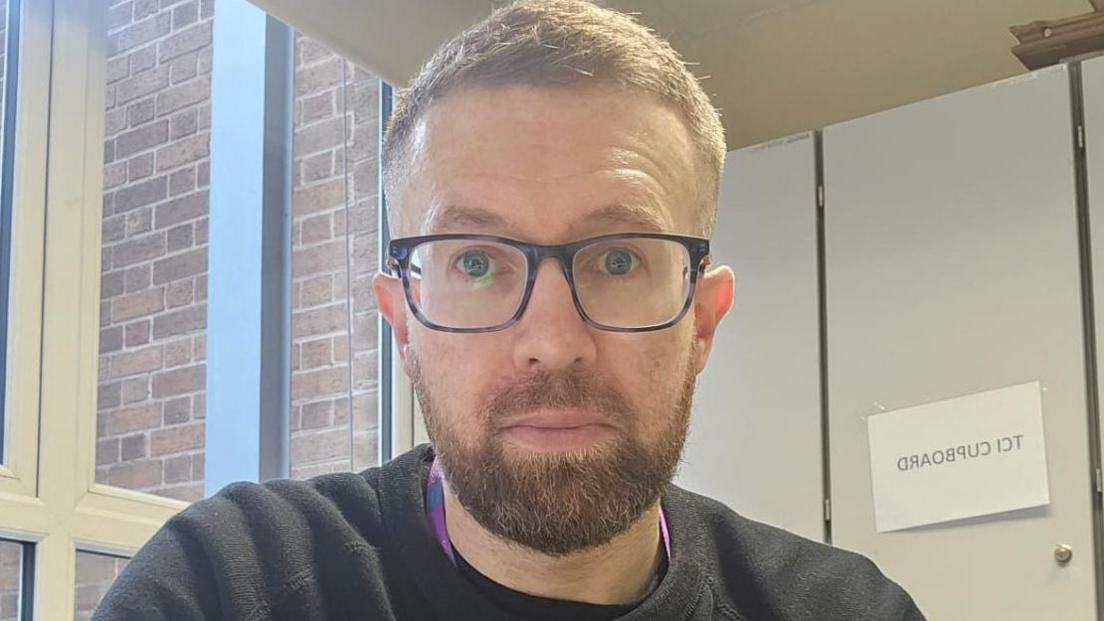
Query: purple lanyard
column 435, row 513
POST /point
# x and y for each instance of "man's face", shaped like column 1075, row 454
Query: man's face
column 550, row 432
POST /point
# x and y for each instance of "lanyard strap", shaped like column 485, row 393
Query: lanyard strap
column 435, row 514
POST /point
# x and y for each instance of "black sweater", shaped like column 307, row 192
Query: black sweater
column 358, row 546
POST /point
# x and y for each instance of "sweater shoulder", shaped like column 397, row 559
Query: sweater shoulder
column 248, row 547
column 768, row 571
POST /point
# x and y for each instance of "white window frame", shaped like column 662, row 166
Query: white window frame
column 48, row 493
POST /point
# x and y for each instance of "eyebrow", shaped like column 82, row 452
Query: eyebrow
column 635, row 216
column 457, row 216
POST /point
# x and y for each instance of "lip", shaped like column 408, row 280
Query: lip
column 557, row 419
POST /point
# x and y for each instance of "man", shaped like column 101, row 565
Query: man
column 553, row 176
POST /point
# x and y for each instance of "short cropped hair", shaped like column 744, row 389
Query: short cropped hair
column 559, row 43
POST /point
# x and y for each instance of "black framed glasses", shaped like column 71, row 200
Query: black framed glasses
column 624, row 282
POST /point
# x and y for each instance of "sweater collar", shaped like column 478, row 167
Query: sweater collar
column 411, row 542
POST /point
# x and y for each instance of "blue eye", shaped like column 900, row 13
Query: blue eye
column 475, row 263
column 619, row 262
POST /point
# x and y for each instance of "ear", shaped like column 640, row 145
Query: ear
column 392, row 305
column 712, row 299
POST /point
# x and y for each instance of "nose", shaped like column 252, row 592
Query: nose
column 551, row 334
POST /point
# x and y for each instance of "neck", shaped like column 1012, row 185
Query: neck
column 618, row 572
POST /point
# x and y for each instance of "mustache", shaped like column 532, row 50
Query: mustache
column 573, row 388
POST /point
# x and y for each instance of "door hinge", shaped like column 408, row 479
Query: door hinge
column 827, row 509
column 1081, row 137
column 1099, row 481
column 820, row 196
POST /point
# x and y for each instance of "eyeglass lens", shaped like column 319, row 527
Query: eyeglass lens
column 620, row 283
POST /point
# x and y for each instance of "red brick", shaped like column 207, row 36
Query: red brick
column 184, row 123
column 114, row 227
column 318, row 383
column 316, row 354
column 311, row 51
column 317, row 415
column 133, row 447
column 178, row 352
column 141, row 194
column 321, row 136
column 107, row 451
column 135, row 389
column 325, row 257
column 179, row 266
column 326, row 73
column 127, row 420
column 111, row 285
column 111, row 339
column 176, row 439
column 184, row 68
column 178, row 410
column 140, row 111
column 184, row 208
column 141, row 83
column 317, row 167
column 135, row 475
column 324, row 446
column 319, row 321
column 108, row 396
column 180, row 237
column 187, row 493
column 133, row 362
column 180, row 293
column 187, row 40
column 185, row 15
column 144, row 8
column 137, row 333
column 316, row 291
column 179, row 381
column 178, row 469
column 139, row 167
column 138, row 304
column 183, row 151
column 137, row 278
column 182, row 181
column 183, row 321
column 186, row 94
column 316, row 108
column 142, row 59
column 115, row 121
column 139, row 221
column 139, row 33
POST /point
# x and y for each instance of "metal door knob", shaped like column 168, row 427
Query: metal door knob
column 1063, row 553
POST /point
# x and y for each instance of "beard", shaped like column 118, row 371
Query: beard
column 557, row 503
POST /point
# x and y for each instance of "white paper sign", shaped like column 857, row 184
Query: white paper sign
column 964, row 457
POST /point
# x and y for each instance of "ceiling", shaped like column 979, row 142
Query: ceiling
column 775, row 67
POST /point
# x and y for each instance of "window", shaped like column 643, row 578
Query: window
column 94, row 575
column 112, row 306
column 153, row 286
column 11, row 581
column 335, row 245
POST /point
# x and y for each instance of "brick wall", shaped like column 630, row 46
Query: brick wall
column 334, row 242
column 11, row 559
column 153, row 314
column 154, row 284
column 95, row 573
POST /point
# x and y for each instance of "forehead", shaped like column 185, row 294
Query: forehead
column 547, row 163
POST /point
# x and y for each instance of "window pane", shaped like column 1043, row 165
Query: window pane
column 95, row 573
column 6, row 35
column 334, row 250
column 153, row 313
column 11, row 580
